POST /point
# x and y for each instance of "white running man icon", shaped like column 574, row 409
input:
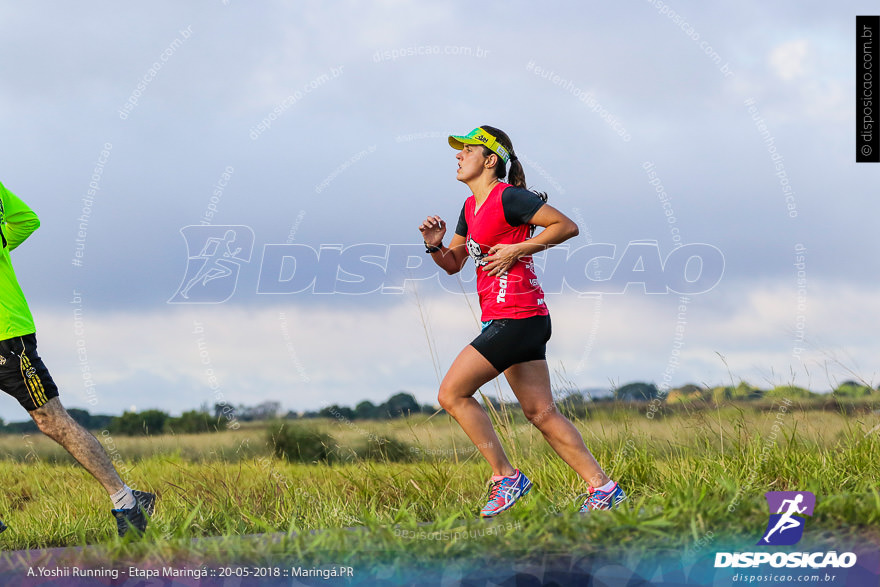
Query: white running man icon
column 786, row 522
column 215, row 259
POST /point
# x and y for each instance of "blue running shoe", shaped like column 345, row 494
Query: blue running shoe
column 602, row 500
column 504, row 493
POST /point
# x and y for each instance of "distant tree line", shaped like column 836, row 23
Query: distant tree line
column 745, row 392
column 398, row 405
column 403, row 404
column 142, row 423
column 89, row 421
column 645, row 392
column 152, row 422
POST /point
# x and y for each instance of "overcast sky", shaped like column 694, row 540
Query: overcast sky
column 316, row 124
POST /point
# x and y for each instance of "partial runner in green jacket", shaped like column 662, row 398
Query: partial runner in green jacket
column 24, row 376
column 17, row 222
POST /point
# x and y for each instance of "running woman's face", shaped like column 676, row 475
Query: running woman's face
column 471, row 163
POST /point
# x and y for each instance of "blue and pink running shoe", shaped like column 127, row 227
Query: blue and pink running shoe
column 602, row 500
column 504, row 493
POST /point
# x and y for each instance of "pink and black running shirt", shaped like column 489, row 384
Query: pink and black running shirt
column 503, row 219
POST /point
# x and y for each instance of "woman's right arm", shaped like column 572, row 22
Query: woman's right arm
column 451, row 259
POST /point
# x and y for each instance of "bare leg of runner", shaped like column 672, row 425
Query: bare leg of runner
column 530, row 383
column 468, row 372
column 54, row 421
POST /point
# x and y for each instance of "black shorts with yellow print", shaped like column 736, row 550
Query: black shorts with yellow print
column 23, row 374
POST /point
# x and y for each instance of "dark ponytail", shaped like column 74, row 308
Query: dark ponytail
column 516, row 177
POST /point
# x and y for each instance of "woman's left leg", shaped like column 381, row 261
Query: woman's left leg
column 530, row 382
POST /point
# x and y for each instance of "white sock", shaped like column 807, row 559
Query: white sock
column 607, row 487
column 123, row 499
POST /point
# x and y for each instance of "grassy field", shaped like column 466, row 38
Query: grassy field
column 694, row 477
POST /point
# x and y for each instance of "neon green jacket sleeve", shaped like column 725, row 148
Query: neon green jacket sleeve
column 18, row 220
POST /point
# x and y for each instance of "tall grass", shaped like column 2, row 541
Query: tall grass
column 687, row 474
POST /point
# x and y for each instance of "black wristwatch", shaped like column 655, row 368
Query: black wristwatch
column 430, row 249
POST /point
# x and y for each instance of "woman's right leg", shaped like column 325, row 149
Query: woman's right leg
column 530, row 383
column 468, row 372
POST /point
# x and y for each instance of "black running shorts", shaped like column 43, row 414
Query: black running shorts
column 23, row 374
column 508, row 341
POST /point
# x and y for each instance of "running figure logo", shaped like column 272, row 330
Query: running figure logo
column 786, row 525
column 214, row 258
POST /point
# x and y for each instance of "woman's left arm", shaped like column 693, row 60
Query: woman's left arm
column 558, row 228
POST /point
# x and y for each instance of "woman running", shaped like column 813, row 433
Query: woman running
column 496, row 229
